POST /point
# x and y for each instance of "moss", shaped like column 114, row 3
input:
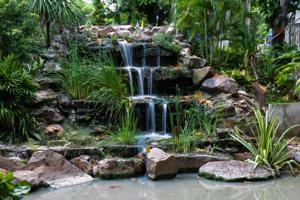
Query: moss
column 166, row 41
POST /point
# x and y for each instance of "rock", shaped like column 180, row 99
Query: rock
column 52, row 66
column 201, row 74
column 260, row 92
column 193, row 161
column 161, row 165
column 112, row 168
column 54, row 131
column 172, row 73
column 53, row 169
column 10, row 164
column 221, row 83
column 234, row 171
column 194, row 62
column 83, row 165
column 30, row 177
column 294, row 152
column 3, row 171
column 45, row 96
column 50, row 115
column 242, row 156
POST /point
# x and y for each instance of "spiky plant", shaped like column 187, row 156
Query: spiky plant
column 270, row 146
column 16, row 94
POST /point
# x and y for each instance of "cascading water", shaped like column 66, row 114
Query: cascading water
column 149, row 98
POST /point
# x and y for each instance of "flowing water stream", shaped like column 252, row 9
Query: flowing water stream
column 137, row 76
column 184, row 187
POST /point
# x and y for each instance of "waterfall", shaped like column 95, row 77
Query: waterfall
column 151, row 117
column 158, row 56
column 164, row 117
column 127, row 53
column 140, row 77
column 136, row 76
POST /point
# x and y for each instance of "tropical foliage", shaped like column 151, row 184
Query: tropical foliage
column 11, row 191
column 269, row 147
column 19, row 33
column 61, row 12
column 16, row 95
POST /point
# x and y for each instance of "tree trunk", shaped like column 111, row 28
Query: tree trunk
column 280, row 23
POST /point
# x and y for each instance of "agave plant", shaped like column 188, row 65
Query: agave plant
column 269, row 147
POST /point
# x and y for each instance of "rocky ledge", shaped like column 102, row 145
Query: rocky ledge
column 233, row 171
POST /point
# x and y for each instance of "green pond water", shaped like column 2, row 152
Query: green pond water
column 184, row 187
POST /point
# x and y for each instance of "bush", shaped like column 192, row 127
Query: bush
column 11, row 191
column 166, row 41
column 19, row 33
column 269, row 148
column 16, row 94
column 242, row 77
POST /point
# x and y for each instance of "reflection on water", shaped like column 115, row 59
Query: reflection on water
column 184, row 187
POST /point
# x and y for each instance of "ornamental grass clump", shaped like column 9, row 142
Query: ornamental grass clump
column 269, row 147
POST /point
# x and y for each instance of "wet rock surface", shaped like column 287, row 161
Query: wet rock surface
column 113, row 168
column 161, row 165
column 232, row 171
column 191, row 162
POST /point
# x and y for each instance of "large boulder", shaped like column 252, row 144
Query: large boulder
column 161, row 165
column 234, row 170
column 201, row 74
column 53, row 169
column 191, row 162
column 10, row 164
column 113, row 168
column 221, row 83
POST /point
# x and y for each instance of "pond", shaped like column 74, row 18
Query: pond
column 185, row 186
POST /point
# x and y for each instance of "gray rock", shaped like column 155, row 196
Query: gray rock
column 161, row 165
column 234, row 170
column 52, row 168
column 172, row 73
column 113, row 168
column 201, row 74
column 194, row 62
column 221, row 83
column 191, row 162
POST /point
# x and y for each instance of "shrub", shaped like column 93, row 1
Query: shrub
column 16, row 94
column 166, row 41
column 11, row 191
column 242, row 77
column 269, row 148
column 19, row 33
column 80, row 76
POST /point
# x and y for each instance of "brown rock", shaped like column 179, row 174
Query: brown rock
column 242, row 156
column 30, row 177
column 45, row 96
column 10, row 164
column 3, row 171
column 201, row 74
column 260, row 93
column 54, row 131
column 221, row 83
column 50, row 115
column 83, row 165
column 53, row 169
column 161, row 165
